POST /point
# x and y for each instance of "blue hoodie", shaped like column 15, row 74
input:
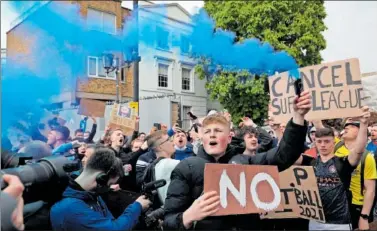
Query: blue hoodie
column 83, row 210
column 183, row 154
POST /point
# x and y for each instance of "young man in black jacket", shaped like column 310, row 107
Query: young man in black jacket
column 187, row 208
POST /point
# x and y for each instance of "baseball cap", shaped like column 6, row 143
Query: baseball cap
column 313, row 129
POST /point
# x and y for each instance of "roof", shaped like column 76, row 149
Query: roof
column 27, row 14
column 168, row 4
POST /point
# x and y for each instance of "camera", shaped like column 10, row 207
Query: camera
column 155, row 212
column 45, row 179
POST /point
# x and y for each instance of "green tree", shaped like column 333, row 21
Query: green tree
column 293, row 26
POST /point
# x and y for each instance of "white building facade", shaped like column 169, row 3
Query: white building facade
column 167, row 69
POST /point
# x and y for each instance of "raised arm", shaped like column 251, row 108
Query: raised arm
column 292, row 144
column 362, row 138
column 93, row 131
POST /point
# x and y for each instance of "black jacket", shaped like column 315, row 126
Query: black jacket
column 141, row 164
column 129, row 182
column 187, row 181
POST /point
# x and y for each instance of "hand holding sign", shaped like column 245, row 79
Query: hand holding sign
column 302, row 104
column 301, row 107
column 206, row 205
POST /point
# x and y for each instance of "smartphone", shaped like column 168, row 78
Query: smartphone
column 298, row 86
column 157, row 125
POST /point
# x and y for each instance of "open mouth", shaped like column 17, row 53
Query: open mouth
column 121, row 141
column 212, row 143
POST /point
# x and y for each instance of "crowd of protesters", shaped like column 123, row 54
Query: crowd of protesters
column 106, row 193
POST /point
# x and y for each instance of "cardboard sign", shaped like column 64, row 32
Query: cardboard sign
column 335, row 89
column 90, row 107
column 369, row 82
column 300, row 195
column 243, row 189
column 123, row 117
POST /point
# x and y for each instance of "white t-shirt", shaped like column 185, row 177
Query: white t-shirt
column 163, row 171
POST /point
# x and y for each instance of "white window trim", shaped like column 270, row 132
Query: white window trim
column 102, row 12
column 192, row 77
column 170, row 64
column 88, row 61
column 97, row 70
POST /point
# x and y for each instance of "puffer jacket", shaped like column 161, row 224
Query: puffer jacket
column 188, row 177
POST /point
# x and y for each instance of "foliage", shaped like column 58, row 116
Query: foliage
column 293, row 26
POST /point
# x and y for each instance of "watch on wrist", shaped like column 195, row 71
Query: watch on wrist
column 364, row 216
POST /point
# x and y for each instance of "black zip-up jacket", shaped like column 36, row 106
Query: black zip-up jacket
column 188, row 177
column 129, row 182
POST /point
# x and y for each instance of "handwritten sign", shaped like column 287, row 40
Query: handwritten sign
column 301, row 199
column 90, row 107
column 123, row 117
column 243, row 189
column 335, row 89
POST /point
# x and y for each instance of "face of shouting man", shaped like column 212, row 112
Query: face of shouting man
column 117, row 138
column 180, row 139
column 216, row 135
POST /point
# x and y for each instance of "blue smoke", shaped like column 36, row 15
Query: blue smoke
column 62, row 42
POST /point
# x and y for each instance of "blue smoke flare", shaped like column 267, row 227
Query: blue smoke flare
column 61, row 40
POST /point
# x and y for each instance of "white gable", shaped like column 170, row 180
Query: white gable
column 173, row 11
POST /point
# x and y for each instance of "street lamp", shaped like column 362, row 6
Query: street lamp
column 111, row 64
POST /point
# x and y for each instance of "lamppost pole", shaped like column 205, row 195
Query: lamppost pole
column 136, row 53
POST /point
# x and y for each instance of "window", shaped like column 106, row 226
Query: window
column 162, row 38
column 96, row 69
column 92, row 66
column 123, row 74
column 163, row 71
column 186, row 119
column 186, row 79
column 101, row 21
column 185, row 45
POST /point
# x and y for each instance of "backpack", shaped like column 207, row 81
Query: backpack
column 362, row 168
column 149, row 174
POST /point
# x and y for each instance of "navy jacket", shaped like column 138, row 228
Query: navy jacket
column 83, row 210
column 141, row 164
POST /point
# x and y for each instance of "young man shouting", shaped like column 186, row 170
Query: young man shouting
column 334, row 175
column 187, row 208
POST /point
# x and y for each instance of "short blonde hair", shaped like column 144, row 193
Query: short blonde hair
column 216, row 119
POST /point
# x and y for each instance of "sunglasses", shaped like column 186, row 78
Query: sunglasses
column 167, row 140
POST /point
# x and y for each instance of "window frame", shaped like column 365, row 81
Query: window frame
column 161, row 29
column 107, row 76
column 158, row 75
column 102, row 20
column 192, row 78
column 188, row 45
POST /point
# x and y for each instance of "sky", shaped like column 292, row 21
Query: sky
column 351, row 29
